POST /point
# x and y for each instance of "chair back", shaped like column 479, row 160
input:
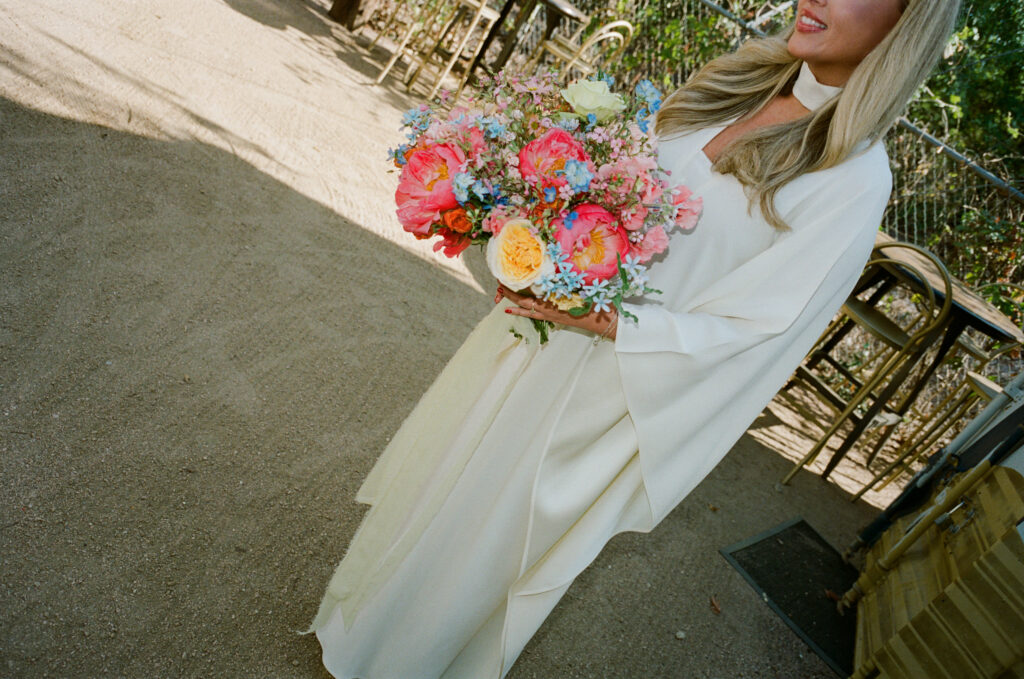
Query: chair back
column 937, row 315
column 616, row 33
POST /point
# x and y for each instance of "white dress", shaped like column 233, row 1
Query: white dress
column 521, row 461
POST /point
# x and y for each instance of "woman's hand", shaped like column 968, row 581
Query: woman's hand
column 600, row 323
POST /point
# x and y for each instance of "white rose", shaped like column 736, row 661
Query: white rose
column 517, row 256
column 593, row 96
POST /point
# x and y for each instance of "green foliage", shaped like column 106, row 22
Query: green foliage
column 975, row 98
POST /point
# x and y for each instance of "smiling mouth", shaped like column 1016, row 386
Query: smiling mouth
column 808, row 22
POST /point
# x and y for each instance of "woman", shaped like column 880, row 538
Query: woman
column 521, row 461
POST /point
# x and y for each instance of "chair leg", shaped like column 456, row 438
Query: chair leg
column 398, row 53
column 485, row 29
column 860, row 396
column 455, row 55
column 399, row 6
column 915, row 452
column 446, row 23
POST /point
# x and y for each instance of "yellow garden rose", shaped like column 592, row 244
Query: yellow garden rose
column 517, row 256
column 593, row 96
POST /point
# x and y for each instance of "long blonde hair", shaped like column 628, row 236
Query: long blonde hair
column 739, row 84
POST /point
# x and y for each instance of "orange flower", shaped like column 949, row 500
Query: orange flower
column 457, row 220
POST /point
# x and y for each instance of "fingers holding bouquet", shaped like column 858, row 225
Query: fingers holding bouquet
column 601, row 323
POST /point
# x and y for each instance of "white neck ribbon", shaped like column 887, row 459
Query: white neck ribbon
column 811, row 93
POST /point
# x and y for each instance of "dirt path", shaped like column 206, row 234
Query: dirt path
column 210, row 324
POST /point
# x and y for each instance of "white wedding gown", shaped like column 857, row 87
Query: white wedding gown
column 521, row 461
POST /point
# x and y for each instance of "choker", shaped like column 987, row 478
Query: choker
column 811, row 93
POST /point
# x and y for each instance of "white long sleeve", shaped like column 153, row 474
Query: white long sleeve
column 704, row 360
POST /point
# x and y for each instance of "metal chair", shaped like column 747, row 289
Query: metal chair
column 975, row 388
column 586, row 55
column 906, row 344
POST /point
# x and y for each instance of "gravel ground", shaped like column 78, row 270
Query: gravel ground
column 210, row 324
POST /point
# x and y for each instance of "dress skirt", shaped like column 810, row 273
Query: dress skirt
column 479, row 526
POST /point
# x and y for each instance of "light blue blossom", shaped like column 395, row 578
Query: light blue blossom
column 591, row 121
column 461, row 185
column 556, row 253
column 481, row 190
column 569, row 124
column 578, row 175
column 416, row 118
column 631, row 265
column 550, row 194
column 650, row 94
column 635, row 272
column 599, row 294
column 606, row 79
column 491, row 127
column 398, row 154
column 643, row 119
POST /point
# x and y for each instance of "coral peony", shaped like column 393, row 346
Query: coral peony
column 425, row 186
column 594, row 242
column 542, row 161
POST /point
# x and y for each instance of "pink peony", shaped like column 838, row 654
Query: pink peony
column 594, row 243
column 542, row 158
column 425, row 186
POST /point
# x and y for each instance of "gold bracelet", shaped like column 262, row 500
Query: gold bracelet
column 604, row 335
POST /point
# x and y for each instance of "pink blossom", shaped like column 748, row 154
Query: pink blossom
column 542, row 158
column 594, row 243
column 655, row 240
column 688, row 209
column 425, row 186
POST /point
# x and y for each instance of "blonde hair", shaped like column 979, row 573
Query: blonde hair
column 739, row 84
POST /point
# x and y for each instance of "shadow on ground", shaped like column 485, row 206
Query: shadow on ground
column 199, row 368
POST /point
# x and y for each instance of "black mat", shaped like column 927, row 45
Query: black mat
column 791, row 567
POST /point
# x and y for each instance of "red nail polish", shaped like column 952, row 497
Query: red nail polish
column 508, row 311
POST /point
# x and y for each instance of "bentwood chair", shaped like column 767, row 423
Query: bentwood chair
column 905, row 339
column 438, row 37
column 588, row 54
column 930, row 428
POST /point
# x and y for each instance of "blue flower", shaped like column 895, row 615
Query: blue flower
column 461, row 185
column 490, row 126
column 569, row 124
column 591, row 121
column 550, row 194
column 578, row 175
column 416, row 119
column 643, row 120
column 481, row 190
column 570, row 219
column 398, row 155
column 607, row 79
column 646, row 90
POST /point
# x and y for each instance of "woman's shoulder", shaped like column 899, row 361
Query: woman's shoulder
column 864, row 179
column 866, row 171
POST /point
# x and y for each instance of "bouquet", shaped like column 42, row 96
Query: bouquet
column 562, row 185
